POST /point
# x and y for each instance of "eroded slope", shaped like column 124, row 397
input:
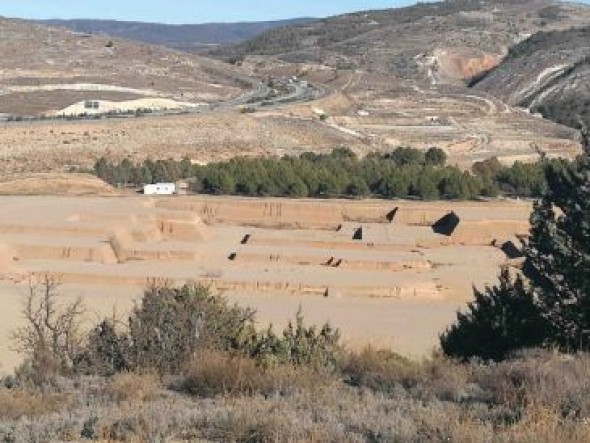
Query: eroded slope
column 549, row 73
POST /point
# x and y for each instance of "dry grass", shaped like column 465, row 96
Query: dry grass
column 18, row 403
column 537, row 397
column 134, row 387
column 215, row 373
column 380, row 369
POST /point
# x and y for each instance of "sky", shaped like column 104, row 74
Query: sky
column 188, row 11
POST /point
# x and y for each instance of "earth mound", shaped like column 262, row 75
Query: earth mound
column 54, row 184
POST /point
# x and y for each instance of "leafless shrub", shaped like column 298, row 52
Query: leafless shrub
column 51, row 338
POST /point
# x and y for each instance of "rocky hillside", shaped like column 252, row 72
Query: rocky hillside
column 443, row 42
column 46, row 69
column 548, row 73
column 182, row 37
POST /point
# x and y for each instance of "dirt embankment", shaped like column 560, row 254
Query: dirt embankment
column 54, row 184
column 459, row 64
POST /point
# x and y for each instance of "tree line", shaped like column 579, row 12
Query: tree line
column 402, row 173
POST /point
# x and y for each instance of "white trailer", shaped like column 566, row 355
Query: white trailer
column 160, row 189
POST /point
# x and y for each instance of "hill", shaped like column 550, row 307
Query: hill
column 549, row 73
column 46, row 69
column 182, row 37
column 448, row 40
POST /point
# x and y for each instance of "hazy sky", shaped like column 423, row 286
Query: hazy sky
column 188, row 11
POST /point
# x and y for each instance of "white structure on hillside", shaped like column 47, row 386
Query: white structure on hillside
column 160, row 189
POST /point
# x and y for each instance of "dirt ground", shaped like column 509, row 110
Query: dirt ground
column 381, row 276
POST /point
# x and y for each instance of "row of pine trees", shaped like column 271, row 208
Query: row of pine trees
column 403, row 173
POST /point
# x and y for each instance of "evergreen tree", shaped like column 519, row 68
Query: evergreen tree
column 146, row 174
column 558, row 251
column 553, row 309
column 425, row 187
column 435, row 157
column 100, row 168
column 500, row 320
column 357, row 188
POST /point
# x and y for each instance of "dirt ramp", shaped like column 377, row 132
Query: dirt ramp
column 367, row 213
column 126, row 249
column 52, row 231
column 188, row 227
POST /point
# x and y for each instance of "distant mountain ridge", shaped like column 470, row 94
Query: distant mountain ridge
column 183, row 37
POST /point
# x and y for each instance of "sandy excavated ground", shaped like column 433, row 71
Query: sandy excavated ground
column 398, row 285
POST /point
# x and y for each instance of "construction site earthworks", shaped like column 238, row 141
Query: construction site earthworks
column 385, row 272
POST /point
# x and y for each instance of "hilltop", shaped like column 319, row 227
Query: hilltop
column 186, row 37
column 46, row 69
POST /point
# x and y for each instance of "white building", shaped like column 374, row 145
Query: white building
column 160, row 189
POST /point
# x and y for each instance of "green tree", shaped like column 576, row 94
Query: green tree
column 146, row 174
column 358, row 188
column 500, row 320
column 219, row 182
column 489, row 167
column 407, row 156
column 435, row 157
column 160, row 172
column 298, row 189
column 396, row 184
column 125, row 172
column 170, row 325
column 456, row 186
column 554, row 309
column 101, row 168
column 426, row 186
column 558, row 251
